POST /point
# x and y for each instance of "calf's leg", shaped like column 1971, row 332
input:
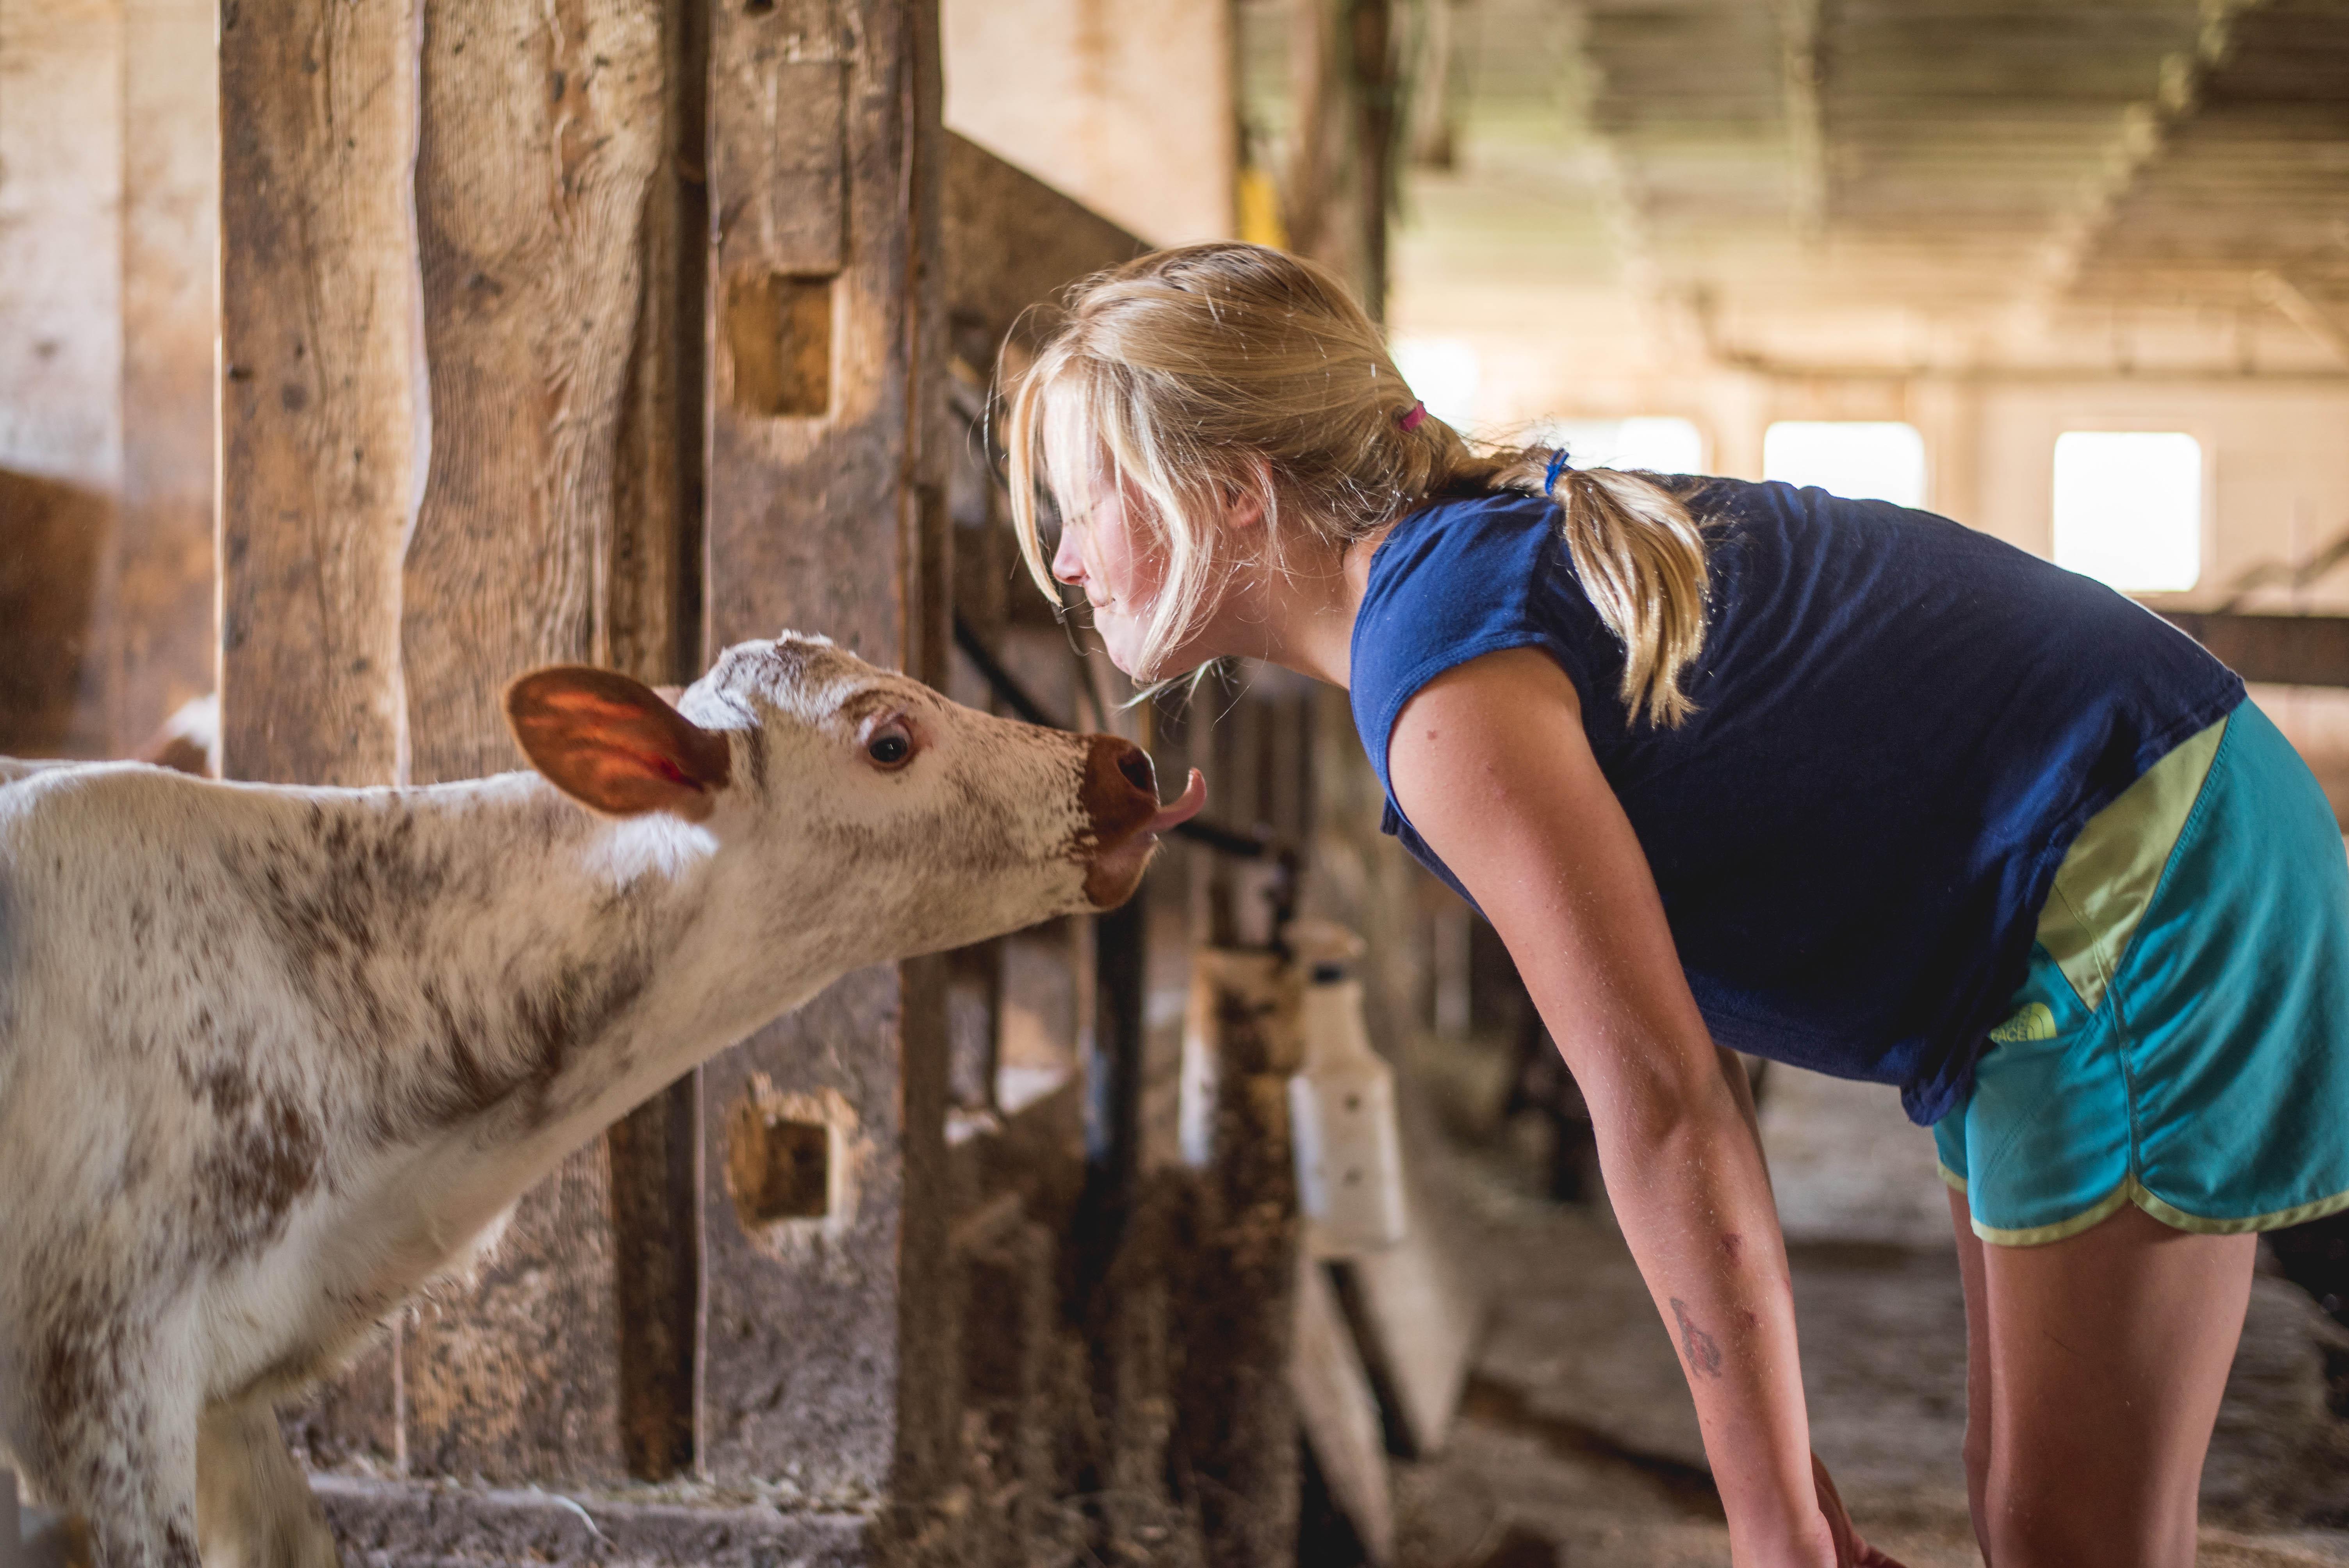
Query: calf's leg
column 254, row 1508
column 121, row 1460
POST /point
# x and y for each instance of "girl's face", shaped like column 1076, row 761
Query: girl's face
column 1109, row 550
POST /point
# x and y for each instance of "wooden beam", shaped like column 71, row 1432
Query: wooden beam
column 2287, row 650
column 2284, row 292
column 2144, row 134
column 824, row 1343
column 538, row 161
column 1806, row 153
column 324, row 417
column 1010, row 242
column 162, row 641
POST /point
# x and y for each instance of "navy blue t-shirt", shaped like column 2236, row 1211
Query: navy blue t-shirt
column 1900, row 726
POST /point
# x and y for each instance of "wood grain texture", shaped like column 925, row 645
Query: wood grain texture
column 324, row 422
column 807, row 139
column 541, row 143
column 823, row 1342
column 1012, row 241
column 54, row 534
column 161, row 636
column 541, row 136
column 515, row 1380
column 61, row 157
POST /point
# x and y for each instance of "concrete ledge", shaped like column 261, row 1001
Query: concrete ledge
column 396, row 1524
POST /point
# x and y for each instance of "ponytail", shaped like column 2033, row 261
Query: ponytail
column 1641, row 554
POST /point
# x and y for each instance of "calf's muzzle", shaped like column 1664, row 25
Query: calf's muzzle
column 1120, row 798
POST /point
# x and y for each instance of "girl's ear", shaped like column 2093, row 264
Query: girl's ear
column 1245, row 505
column 612, row 744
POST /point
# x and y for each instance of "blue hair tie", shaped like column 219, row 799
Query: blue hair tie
column 1556, row 467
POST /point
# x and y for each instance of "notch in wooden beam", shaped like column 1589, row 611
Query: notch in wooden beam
column 779, row 1168
column 778, row 332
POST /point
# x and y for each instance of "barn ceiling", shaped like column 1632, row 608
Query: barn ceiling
column 1918, row 182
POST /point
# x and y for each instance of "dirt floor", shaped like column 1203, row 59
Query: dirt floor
column 1576, row 1444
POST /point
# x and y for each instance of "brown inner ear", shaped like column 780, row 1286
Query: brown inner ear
column 613, row 743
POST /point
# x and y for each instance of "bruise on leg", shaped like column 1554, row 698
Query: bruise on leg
column 1701, row 1349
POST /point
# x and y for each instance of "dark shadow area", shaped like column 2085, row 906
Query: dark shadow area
column 51, row 539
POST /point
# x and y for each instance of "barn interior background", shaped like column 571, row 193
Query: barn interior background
column 355, row 357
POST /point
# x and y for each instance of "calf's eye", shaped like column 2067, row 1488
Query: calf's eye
column 890, row 745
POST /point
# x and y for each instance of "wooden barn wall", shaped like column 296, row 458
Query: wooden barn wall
column 107, row 197
column 524, row 343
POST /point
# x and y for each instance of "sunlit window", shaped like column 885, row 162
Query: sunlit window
column 1659, row 444
column 1443, row 374
column 2128, row 508
column 1860, row 459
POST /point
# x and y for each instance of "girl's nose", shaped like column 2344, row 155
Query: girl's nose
column 1068, row 563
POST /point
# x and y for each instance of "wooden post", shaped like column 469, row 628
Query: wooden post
column 323, row 417
column 456, row 448
column 161, row 640
column 827, row 515
column 540, row 143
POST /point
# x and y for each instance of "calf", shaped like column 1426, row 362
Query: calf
column 271, row 1058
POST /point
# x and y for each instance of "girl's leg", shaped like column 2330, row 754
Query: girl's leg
column 2108, row 1352
column 1978, row 1410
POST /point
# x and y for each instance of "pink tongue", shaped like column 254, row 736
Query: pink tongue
column 1194, row 797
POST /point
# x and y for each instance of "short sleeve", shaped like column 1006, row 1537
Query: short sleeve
column 1451, row 583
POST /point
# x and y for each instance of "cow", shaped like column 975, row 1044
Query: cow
column 274, row 1058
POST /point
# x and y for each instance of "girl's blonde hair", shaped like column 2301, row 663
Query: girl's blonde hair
column 1199, row 376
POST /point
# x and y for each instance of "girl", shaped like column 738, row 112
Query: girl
column 1830, row 781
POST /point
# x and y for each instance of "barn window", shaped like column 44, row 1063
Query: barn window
column 1861, row 460
column 2128, row 508
column 1659, row 443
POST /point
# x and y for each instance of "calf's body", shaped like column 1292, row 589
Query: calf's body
column 271, row 1058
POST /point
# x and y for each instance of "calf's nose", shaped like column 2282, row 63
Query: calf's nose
column 1121, row 803
column 1121, row 789
column 1135, row 764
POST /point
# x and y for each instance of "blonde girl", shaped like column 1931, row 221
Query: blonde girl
column 1742, row 766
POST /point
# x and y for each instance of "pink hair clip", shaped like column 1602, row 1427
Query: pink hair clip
column 1412, row 420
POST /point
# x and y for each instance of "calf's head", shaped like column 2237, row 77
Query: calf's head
column 862, row 801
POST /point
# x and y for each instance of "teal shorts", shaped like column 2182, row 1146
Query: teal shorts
column 2182, row 1040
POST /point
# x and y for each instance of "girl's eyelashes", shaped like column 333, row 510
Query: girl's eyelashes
column 889, row 742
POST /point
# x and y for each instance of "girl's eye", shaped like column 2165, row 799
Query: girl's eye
column 891, row 745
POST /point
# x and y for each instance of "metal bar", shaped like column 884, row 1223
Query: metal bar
column 2286, row 650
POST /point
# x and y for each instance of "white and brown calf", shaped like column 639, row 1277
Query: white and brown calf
column 272, row 1058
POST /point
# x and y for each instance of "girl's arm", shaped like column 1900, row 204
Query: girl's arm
column 1490, row 763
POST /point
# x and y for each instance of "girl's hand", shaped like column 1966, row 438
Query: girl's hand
column 1851, row 1552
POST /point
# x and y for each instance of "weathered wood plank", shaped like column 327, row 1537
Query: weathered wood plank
column 541, row 135
column 324, row 422
column 824, row 1343
column 1239, row 1420
column 1012, row 241
column 1340, row 1418
column 48, row 580
column 2289, row 650
column 61, row 168
column 161, row 636
column 541, row 138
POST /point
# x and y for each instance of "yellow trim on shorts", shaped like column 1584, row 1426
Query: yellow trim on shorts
column 2108, row 877
column 2132, row 1190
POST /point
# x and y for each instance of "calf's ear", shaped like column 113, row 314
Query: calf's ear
column 612, row 744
